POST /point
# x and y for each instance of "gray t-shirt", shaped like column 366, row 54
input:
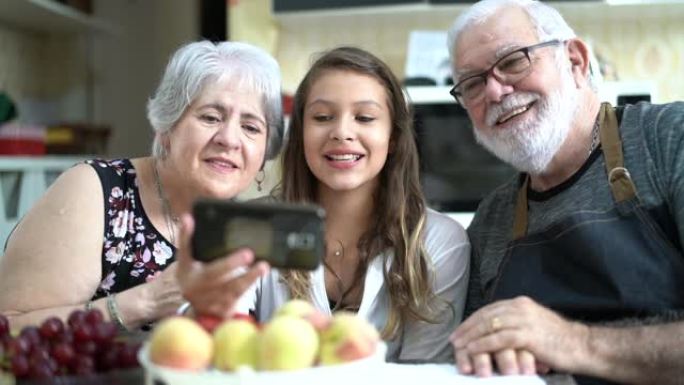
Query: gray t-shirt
column 653, row 147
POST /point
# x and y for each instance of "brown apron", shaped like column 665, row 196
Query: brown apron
column 597, row 266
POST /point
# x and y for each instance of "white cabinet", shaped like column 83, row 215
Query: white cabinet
column 23, row 180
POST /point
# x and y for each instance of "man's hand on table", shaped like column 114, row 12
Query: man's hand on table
column 519, row 336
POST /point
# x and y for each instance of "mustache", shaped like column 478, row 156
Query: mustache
column 509, row 103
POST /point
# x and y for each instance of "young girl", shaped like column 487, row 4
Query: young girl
column 391, row 260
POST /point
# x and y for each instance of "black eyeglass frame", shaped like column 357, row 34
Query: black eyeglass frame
column 485, row 74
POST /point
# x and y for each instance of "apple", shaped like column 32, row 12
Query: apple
column 235, row 345
column 287, row 343
column 181, row 343
column 347, row 338
column 303, row 309
column 296, row 308
column 208, row 322
column 246, row 317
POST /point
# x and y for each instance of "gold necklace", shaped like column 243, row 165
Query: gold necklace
column 166, row 207
column 338, row 280
column 343, row 292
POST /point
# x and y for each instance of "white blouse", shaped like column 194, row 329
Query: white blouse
column 446, row 242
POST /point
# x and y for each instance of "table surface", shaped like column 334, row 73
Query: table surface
column 137, row 377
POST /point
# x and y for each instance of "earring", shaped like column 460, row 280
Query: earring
column 261, row 175
column 164, row 147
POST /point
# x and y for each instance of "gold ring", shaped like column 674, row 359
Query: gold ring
column 496, row 324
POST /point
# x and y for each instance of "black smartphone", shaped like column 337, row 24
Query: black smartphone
column 285, row 235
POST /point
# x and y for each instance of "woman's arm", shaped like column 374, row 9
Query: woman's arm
column 52, row 264
column 447, row 245
column 53, row 261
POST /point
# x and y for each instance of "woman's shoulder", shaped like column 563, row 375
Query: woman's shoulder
column 74, row 182
column 113, row 167
column 115, row 174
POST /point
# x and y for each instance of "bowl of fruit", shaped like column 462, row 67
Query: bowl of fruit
column 83, row 346
column 299, row 344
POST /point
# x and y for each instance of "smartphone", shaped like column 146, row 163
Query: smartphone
column 289, row 236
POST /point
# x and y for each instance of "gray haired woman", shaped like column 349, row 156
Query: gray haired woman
column 105, row 234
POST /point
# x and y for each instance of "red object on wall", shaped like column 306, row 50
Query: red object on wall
column 288, row 102
column 14, row 146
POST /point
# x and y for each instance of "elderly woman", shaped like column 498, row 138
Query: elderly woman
column 105, row 233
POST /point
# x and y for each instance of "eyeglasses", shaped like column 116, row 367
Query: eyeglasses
column 509, row 69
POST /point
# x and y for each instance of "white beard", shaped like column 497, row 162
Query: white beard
column 531, row 145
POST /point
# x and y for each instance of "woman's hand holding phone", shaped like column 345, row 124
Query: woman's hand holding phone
column 214, row 288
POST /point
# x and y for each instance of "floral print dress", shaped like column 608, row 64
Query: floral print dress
column 133, row 251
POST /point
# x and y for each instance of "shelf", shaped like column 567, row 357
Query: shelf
column 50, row 16
column 392, row 14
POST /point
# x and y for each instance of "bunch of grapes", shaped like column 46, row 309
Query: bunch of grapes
column 85, row 345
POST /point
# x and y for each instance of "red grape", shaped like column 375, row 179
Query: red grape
column 20, row 366
column 84, row 345
column 104, row 333
column 63, row 353
column 32, row 335
column 5, row 340
column 67, row 337
column 94, row 316
column 77, row 317
column 39, row 354
column 83, row 333
column 87, row 348
column 107, row 360
column 51, row 328
column 40, row 370
column 83, row 365
column 18, row 346
column 4, row 326
column 128, row 356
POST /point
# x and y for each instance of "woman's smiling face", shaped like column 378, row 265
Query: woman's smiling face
column 219, row 143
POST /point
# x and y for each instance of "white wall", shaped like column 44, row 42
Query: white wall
column 127, row 67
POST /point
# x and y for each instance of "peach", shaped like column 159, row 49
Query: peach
column 296, row 308
column 287, row 343
column 181, row 343
column 348, row 338
column 303, row 309
column 235, row 345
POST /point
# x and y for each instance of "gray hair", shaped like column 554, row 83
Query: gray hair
column 548, row 23
column 195, row 65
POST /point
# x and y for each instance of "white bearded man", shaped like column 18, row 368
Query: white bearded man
column 577, row 263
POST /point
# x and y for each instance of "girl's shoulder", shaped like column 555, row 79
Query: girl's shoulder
column 440, row 223
column 444, row 236
column 447, row 245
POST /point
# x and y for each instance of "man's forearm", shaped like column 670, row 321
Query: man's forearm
column 637, row 354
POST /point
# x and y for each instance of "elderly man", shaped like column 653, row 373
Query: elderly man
column 577, row 262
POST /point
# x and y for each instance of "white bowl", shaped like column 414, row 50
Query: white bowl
column 345, row 373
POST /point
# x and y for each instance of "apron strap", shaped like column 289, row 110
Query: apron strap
column 620, row 181
column 520, row 221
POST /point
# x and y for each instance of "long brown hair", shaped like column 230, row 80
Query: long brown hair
column 398, row 222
